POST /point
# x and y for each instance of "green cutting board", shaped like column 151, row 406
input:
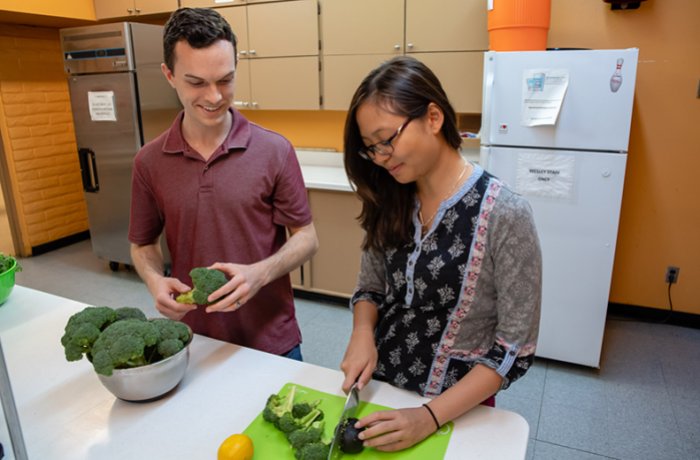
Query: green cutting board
column 270, row 443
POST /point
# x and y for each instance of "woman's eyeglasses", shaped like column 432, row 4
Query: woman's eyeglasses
column 383, row 147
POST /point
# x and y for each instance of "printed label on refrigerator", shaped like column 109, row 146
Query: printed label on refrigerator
column 101, row 106
column 546, row 175
column 543, row 94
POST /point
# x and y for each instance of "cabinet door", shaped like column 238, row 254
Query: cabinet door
column 105, row 9
column 343, row 74
column 461, row 76
column 283, row 29
column 285, row 83
column 461, row 25
column 155, row 6
column 241, row 91
column 210, row 3
column 362, row 26
column 335, row 265
column 238, row 20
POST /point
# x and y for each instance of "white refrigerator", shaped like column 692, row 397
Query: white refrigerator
column 555, row 127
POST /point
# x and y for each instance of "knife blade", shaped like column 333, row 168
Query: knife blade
column 349, row 410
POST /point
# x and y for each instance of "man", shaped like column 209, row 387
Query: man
column 226, row 191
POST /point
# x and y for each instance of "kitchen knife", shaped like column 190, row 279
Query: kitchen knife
column 349, row 411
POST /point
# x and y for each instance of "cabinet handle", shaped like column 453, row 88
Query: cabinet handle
column 243, row 52
column 252, row 51
column 255, row 105
column 130, row 10
column 138, row 10
column 397, row 47
column 410, row 45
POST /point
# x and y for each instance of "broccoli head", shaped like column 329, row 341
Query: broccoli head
column 276, row 406
column 311, row 433
column 173, row 336
column 206, row 281
column 302, row 408
column 83, row 329
column 123, row 344
column 313, row 451
column 129, row 313
column 121, row 338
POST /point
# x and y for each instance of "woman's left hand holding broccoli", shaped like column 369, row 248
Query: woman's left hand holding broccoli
column 244, row 282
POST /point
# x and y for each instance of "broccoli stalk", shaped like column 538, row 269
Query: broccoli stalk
column 205, row 282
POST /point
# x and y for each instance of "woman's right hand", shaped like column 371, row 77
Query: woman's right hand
column 360, row 359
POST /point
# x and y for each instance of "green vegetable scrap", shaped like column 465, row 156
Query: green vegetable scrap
column 302, row 423
column 6, row 263
column 206, row 281
column 121, row 338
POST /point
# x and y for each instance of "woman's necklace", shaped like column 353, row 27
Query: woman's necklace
column 425, row 223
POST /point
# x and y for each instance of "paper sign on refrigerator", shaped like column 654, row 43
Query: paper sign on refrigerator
column 548, row 175
column 543, row 94
column 101, row 106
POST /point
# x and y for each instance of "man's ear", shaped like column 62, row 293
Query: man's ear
column 435, row 118
column 168, row 74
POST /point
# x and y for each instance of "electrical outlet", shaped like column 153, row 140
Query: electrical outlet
column 672, row 274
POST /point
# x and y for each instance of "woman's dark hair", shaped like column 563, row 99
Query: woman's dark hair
column 201, row 27
column 403, row 86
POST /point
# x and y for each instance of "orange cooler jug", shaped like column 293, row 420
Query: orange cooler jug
column 518, row 25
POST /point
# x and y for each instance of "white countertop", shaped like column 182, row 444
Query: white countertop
column 324, row 170
column 66, row 413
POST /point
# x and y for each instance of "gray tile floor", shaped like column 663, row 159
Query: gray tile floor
column 643, row 403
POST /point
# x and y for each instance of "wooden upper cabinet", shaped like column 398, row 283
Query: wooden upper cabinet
column 461, row 76
column 106, row 9
column 284, row 83
column 237, row 18
column 211, row 3
column 446, row 25
column 287, row 28
column 362, row 26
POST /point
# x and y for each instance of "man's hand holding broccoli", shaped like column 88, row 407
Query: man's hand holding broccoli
column 206, row 281
column 223, row 287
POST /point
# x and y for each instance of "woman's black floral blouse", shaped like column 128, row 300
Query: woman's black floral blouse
column 468, row 291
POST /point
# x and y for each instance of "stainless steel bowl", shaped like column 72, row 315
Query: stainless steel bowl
column 147, row 383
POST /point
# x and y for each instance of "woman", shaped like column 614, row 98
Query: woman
column 448, row 295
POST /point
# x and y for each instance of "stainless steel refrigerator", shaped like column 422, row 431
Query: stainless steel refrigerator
column 120, row 100
column 556, row 126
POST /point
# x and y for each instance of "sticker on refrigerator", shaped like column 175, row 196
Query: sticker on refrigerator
column 546, row 175
column 101, row 106
column 543, row 94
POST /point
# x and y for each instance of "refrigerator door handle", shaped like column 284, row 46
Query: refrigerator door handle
column 485, row 131
column 88, row 170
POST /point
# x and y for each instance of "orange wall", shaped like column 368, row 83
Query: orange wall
column 76, row 9
column 38, row 137
column 660, row 221
column 318, row 129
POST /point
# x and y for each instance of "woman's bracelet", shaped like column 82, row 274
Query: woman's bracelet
column 432, row 414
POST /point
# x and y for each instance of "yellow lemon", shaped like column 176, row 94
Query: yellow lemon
column 236, row 447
